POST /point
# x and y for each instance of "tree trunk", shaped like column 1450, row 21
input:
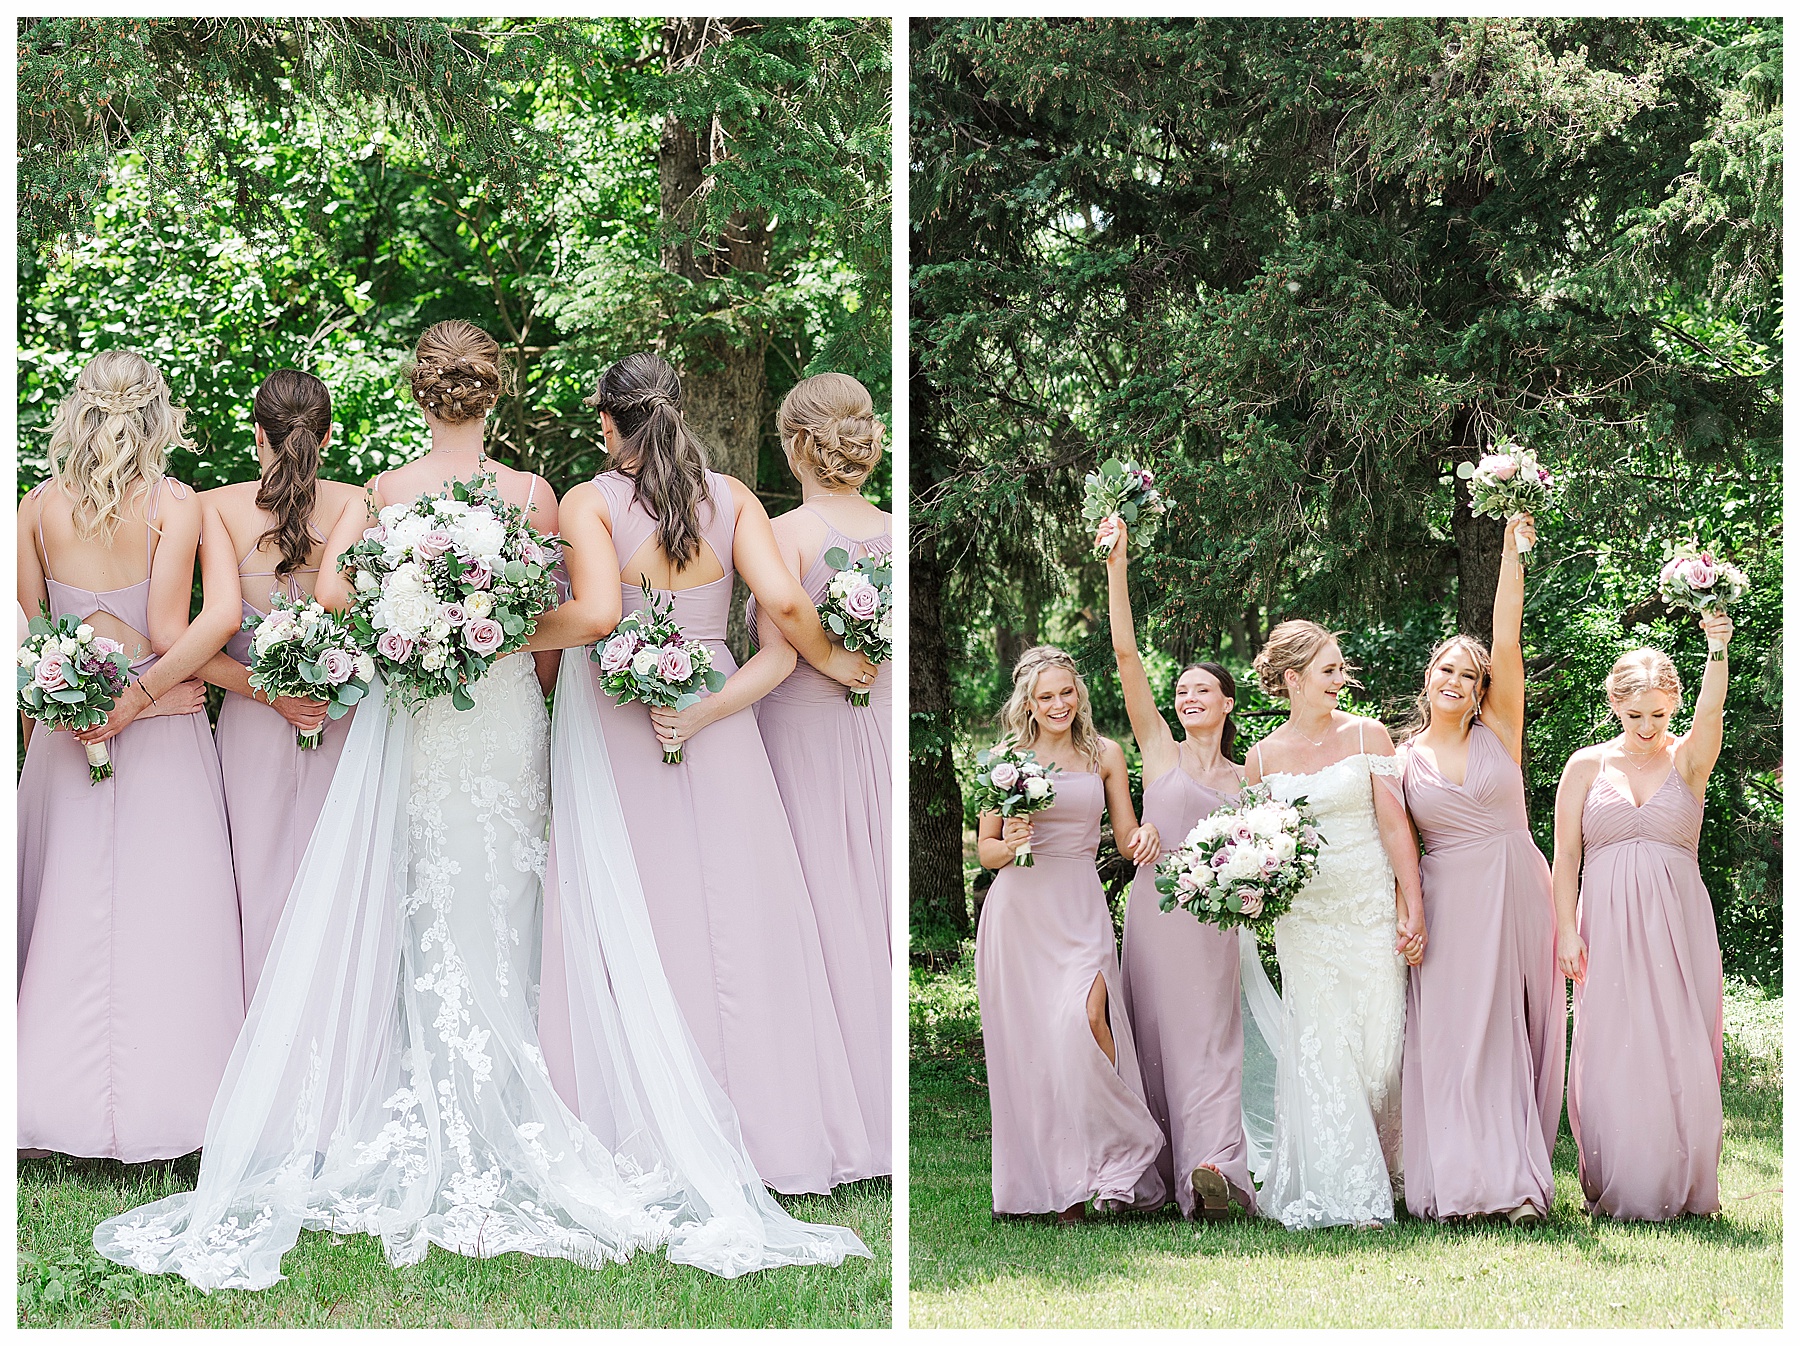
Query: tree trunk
column 1478, row 543
column 934, row 797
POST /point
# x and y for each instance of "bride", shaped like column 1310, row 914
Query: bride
column 1335, row 1035
column 388, row 1078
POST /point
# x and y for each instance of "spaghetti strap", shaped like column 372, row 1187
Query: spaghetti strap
column 530, row 491
column 43, row 550
column 150, row 526
column 1360, row 750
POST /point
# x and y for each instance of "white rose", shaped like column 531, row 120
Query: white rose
column 1036, row 787
column 84, row 633
column 406, row 613
column 1284, row 848
column 366, row 583
column 365, row 666
column 392, row 514
column 433, row 658
column 482, row 536
column 406, row 578
column 437, row 631
column 70, row 646
column 27, row 658
column 479, row 604
column 643, row 663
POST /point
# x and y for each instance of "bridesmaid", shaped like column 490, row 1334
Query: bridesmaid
column 1178, row 977
column 274, row 530
column 833, row 761
column 729, row 904
column 1069, row 1116
column 131, row 985
column 1481, row 1075
column 1641, row 947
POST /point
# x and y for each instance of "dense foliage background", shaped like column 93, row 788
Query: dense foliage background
column 1307, row 266
column 228, row 196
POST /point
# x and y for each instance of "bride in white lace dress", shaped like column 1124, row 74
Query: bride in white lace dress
column 1334, row 1038
column 388, row 1079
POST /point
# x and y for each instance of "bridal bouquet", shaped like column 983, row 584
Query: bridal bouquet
column 1701, row 582
column 1122, row 489
column 1506, row 482
column 299, row 649
column 69, row 678
column 648, row 659
column 445, row 585
column 1243, row 864
column 859, row 608
column 1012, row 782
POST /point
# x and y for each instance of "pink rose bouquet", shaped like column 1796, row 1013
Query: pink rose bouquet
column 1012, row 782
column 1507, row 481
column 1243, row 864
column 1700, row 582
column 648, row 659
column 69, row 678
column 859, row 608
column 1122, row 489
column 299, row 649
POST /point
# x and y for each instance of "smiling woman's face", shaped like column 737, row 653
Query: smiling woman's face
column 1644, row 718
column 1454, row 683
column 1200, row 701
column 1055, row 700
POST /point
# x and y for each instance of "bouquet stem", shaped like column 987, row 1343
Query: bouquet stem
column 1023, row 857
column 858, row 697
column 309, row 738
column 1715, row 650
column 99, row 763
column 672, row 756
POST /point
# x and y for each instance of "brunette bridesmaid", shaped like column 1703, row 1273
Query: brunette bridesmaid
column 1481, row 1077
column 729, row 904
column 274, row 531
column 1069, row 1116
column 1641, row 946
column 832, row 760
column 131, row 986
column 1179, row 977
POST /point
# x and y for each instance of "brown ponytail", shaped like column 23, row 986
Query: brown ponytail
column 664, row 462
column 294, row 411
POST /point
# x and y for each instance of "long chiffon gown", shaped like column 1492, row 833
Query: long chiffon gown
column 1179, row 979
column 274, row 790
column 1644, row 1069
column 1068, row 1124
column 131, row 983
column 833, row 765
column 729, row 904
column 1482, row 1074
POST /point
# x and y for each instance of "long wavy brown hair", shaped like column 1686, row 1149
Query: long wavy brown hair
column 664, row 462
column 294, row 411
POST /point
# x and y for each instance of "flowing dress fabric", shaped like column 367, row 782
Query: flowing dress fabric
column 131, row 984
column 1486, row 1013
column 1067, row 1123
column 273, row 793
column 733, row 919
column 1179, row 983
column 833, row 763
column 1337, row 1037
column 1644, row 1068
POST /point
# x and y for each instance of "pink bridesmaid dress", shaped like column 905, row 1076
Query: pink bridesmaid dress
column 728, row 904
column 1644, row 1068
column 833, row 764
column 273, row 794
column 131, row 982
column 1068, row 1123
column 1179, row 979
column 1481, row 1075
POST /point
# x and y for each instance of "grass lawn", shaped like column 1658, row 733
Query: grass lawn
column 1157, row 1271
column 345, row 1282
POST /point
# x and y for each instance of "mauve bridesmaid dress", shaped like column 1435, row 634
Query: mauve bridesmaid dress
column 1068, row 1123
column 728, row 904
column 273, row 794
column 1481, row 1077
column 1179, row 979
column 833, row 763
column 131, row 981
column 1644, row 1068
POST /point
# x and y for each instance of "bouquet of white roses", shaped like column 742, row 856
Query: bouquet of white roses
column 299, row 649
column 445, row 585
column 1507, row 481
column 859, row 608
column 69, row 678
column 1122, row 489
column 1701, row 582
column 1012, row 782
column 1243, row 864
column 647, row 658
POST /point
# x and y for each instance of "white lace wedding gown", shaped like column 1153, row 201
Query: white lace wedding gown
column 388, row 1080
column 1328, row 1050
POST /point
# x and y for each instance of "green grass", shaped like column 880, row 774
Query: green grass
column 1158, row 1271
column 334, row 1281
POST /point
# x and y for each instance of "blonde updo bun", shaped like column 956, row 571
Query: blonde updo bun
column 1640, row 671
column 456, row 372
column 1292, row 644
column 828, row 423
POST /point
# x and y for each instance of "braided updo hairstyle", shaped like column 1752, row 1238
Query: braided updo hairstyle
column 456, row 372
column 1293, row 644
column 828, row 423
column 1643, row 670
column 115, row 428
column 294, row 411
column 665, row 464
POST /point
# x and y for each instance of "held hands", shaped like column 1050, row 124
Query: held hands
column 302, row 712
column 1145, row 845
column 676, row 727
column 1521, row 535
column 850, row 667
column 1014, row 833
column 184, row 698
column 1410, row 942
column 1571, row 955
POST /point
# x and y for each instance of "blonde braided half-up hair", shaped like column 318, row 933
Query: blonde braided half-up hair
column 1020, row 725
column 113, row 430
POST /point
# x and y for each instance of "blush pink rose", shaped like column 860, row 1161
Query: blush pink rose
column 433, row 545
column 1699, row 574
column 376, row 534
column 1499, row 467
column 530, row 553
column 394, row 647
column 616, row 656
column 478, row 575
column 52, row 671
column 863, row 602
column 338, row 666
column 1221, row 857
column 1252, row 902
column 1671, row 569
column 484, row 635
column 675, row 665
column 1004, row 776
column 453, row 613
column 103, row 645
